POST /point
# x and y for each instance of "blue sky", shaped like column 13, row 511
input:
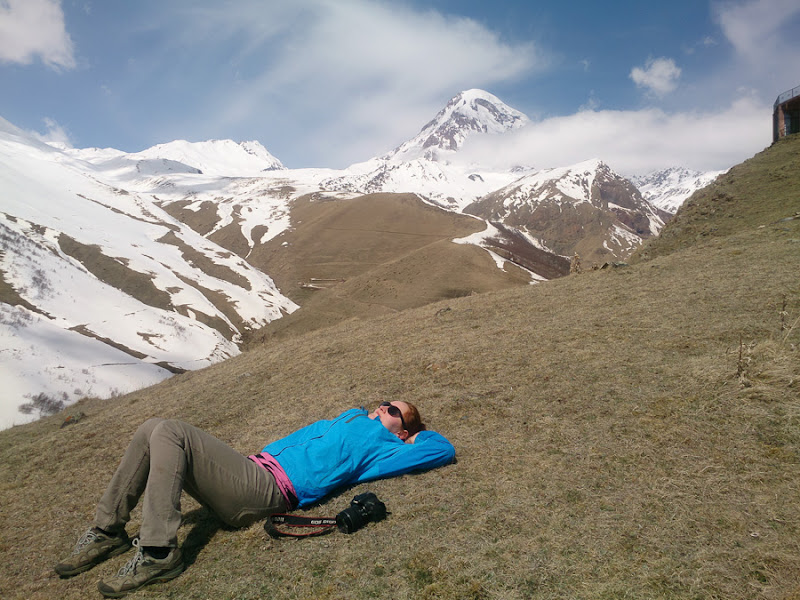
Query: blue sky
column 327, row 83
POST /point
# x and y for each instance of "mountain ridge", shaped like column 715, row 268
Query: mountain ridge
column 583, row 209
column 471, row 111
column 128, row 293
column 669, row 188
column 220, row 207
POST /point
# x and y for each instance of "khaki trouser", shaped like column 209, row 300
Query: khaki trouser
column 166, row 457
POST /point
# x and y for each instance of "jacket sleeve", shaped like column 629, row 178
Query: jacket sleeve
column 429, row 450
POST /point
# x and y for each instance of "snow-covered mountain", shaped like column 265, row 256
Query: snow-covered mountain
column 117, row 268
column 428, row 164
column 219, row 158
column 669, row 188
column 470, row 112
column 449, row 186
column 585, row 209
column 102, row 291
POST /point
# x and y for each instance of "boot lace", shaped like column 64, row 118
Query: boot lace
column 129, row 568
column 86, row 539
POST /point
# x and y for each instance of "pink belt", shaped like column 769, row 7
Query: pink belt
column 281, row 478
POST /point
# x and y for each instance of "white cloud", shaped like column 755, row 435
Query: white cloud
column 635, row 142
column 55, row 134
column 760, row 37
column 345, row 69
column 659, row 77
column 706, row 42
column 759, row 29
column 592, row 103
column 31, row 28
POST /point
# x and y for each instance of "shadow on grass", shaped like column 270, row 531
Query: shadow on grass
column 204, row 526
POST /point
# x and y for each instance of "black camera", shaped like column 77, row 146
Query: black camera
column 363, row 508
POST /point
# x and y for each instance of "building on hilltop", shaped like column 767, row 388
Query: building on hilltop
column 786, row 114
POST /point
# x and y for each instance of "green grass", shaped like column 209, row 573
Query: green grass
column 625, row 433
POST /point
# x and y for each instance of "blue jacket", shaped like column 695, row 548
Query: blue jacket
column 352, row 448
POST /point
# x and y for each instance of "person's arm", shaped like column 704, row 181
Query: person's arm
column 433, row 446
column 428, row 451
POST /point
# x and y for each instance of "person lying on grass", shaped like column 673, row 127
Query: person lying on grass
column 166, row 457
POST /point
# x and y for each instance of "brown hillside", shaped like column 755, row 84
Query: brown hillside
column 760, row 192
column 373, row 255
column 624, row 433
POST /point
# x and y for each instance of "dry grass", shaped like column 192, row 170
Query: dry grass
column 377, row 254
column 612, row 442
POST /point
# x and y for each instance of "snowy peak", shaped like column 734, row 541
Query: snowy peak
column 427, row 164
column 590, row 181
column 669, row 188
column 213, row 158
column 222, row 158
column 104, row 291
column 572, row 184
column 470, row 112
column 585, row 208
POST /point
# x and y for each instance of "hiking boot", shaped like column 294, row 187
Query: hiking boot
column 142, row 570
column 92, row 548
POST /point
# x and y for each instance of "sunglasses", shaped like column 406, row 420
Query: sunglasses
column 394, row 412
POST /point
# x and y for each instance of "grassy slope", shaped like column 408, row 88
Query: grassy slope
column 622, row 433
column 380, row 253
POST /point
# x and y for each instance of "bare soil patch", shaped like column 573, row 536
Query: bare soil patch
column 115, row 273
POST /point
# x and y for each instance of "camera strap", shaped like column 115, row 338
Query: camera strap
column 281, row 524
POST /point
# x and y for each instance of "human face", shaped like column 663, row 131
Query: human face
column 394, row 411
column 393, row 422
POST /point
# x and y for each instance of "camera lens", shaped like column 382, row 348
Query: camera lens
column 363, row 509
column 351, row 519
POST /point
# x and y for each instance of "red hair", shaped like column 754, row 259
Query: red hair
column 413, row 421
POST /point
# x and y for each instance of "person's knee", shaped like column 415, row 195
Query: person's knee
column 146, row 428
column 170, row 428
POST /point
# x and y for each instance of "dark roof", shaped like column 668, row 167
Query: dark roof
column 787, row 95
